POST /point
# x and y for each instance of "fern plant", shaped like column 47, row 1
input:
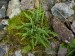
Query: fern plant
column 36, row 29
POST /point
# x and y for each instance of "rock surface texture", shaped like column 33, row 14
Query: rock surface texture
column 52, row 50
column 62, row 51
column 37, row 3
column 18, row 53
column 3, row 7
column 73, row 26
column 4, row 48
column 31, row 54
column 65, row 34
column 4, row 3
column 2, row 33
column 62, row 10
column 13, row 8
column 2, row 12
column 2, row 52
column 27, row 4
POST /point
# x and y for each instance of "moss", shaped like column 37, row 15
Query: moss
column 74, row 8
column 38, row 20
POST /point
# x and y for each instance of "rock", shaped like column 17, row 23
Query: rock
column 44, row 5
column 31, row 54
column 3, row 7
column 3, row 24
column 2, row 52
column 18, row 53
column 5, row 48
column 37, row 3
column 2, row 33
column 48, row 4
column 3, row 3
column 52, row 50
column 64, row 33
column 73, row 26
column 51, row 3
column 62, row 51
column 62, row 10
column 46, row 9
column 13, row 8
column 2, row 12
column 27, row 4
column 70, row 3
column 70, row 19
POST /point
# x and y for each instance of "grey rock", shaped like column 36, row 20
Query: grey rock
column 2, row 52
column 3, row 2
column 3, row 7
column 2, row 12
column 2, row 26
column 73, row 26
column 46, row 8
column 70, row 19
column 18, row 53
column 48, row 4
column 13, row 8
column 64, row 33
column 70, row 3
column 62, row 10
column 31, row 54
column 5, row 47
column 2, row 34
column 27, row 4
column 62, row 51
column 52, row 50
column 44, row 5
column 4, row 22
column 37, row 3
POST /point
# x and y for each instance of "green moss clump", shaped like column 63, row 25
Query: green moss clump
column 74, row 8
column 30, row 30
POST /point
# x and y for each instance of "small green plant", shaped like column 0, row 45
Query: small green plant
column 73, row 8
column 35, row 30
column 71, row 48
